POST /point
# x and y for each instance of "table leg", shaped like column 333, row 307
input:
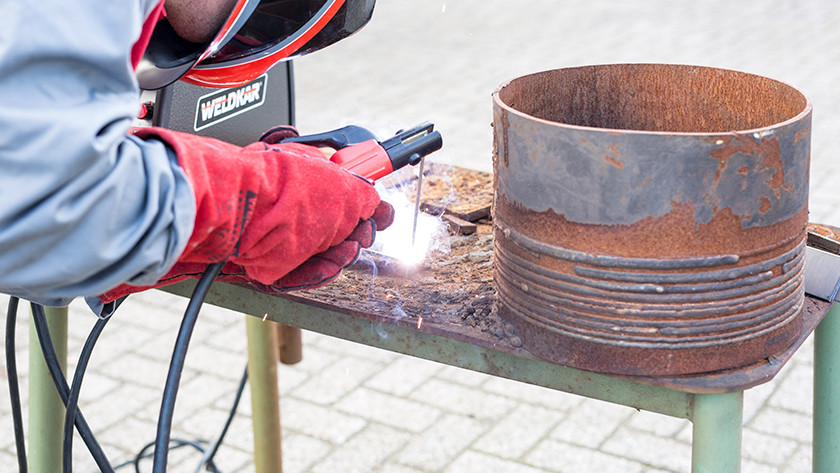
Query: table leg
column 265, row 396
column 826, row 435
column 46, row 411
column 291, row 344
column 718, row 425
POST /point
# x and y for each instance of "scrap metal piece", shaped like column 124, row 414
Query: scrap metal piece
column 650, row 219
column 822, row 271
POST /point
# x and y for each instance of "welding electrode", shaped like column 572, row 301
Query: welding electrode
column 358, row 150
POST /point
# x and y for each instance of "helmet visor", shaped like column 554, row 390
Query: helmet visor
column 288, row 28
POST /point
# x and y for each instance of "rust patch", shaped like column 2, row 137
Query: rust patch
column 765, row 148
column 613, row 155
column 803, row 133
column 765, row 204
column 614, row 162
column 675, row 234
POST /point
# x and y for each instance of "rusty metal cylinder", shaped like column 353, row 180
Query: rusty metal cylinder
column 650, row 219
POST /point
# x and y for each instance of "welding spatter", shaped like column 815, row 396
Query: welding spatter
column 360, row 152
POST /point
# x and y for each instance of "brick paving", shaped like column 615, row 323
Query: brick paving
column 351, row 408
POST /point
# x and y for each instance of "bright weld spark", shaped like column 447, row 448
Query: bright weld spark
column 265, row 316
column 395, row 241
column 419, row 322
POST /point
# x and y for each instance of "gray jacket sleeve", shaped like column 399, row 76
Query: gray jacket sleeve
column 83, row 205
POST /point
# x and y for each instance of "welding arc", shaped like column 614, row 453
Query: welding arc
column 176, row 366
column 14, row 388
column 54, row 367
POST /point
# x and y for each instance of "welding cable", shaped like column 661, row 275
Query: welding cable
column 14, row 387
column 176, row 366
column 72, row 404
column 39, row 319
column 177, row 443
column 207, row 461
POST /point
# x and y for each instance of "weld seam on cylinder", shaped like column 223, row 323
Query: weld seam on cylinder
column 622, row 339
column 553, row 279
column 566, row 254
column 769, row 306
column 778, row 244
column 755, row 278
column 561, row 282
column 788, row 258
column 653, row 311
column 652, row 308
column 642, row 335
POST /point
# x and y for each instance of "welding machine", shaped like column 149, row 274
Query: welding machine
column 237, row 115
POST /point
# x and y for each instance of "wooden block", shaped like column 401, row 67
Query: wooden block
column 458, row 225
column 463, row 193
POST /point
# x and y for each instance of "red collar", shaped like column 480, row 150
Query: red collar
column 142, row 42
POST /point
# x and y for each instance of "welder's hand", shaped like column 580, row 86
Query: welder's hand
column 278, row 134
column 275, row 211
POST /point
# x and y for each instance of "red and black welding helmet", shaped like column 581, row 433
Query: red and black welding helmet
column 256, row 35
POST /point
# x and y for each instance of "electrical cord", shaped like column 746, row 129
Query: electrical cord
column 208, row 457
column 70, row 395
column 54, row 367
column 176, row 366
column 207, row 460
column 72, row 404
column 14, row 387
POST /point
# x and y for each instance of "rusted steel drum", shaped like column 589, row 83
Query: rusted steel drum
column 651, row 219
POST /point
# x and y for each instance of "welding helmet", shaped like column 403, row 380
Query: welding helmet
column 256, row 35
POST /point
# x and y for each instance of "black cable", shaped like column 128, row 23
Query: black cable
column 176, row 366
column 178, row 443
column 208, row 457
column 70, row 396
column 14, row 387
column 75, row 390
column 54, row 367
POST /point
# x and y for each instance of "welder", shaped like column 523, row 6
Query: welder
column 90, row 206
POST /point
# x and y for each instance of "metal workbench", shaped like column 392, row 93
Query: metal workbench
column 714, row 403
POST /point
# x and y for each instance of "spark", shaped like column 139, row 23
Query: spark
column 419, row 322
column 265, row 316
column 396, row 241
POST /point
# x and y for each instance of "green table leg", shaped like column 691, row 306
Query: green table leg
column 265, row 396
column 46, row 411
column 827, row 394
column 718, row 423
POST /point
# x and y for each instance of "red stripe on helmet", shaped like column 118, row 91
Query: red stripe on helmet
column 233, row 75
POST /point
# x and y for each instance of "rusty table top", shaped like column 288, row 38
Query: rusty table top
column 452, row 298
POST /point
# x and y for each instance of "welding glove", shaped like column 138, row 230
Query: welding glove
column 282, row 215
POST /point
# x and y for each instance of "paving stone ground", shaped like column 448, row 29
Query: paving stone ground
column 351, row 408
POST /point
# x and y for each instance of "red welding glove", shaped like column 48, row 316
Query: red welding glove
column 282, row 216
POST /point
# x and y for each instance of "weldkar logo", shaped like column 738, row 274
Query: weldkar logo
column 219, row 106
